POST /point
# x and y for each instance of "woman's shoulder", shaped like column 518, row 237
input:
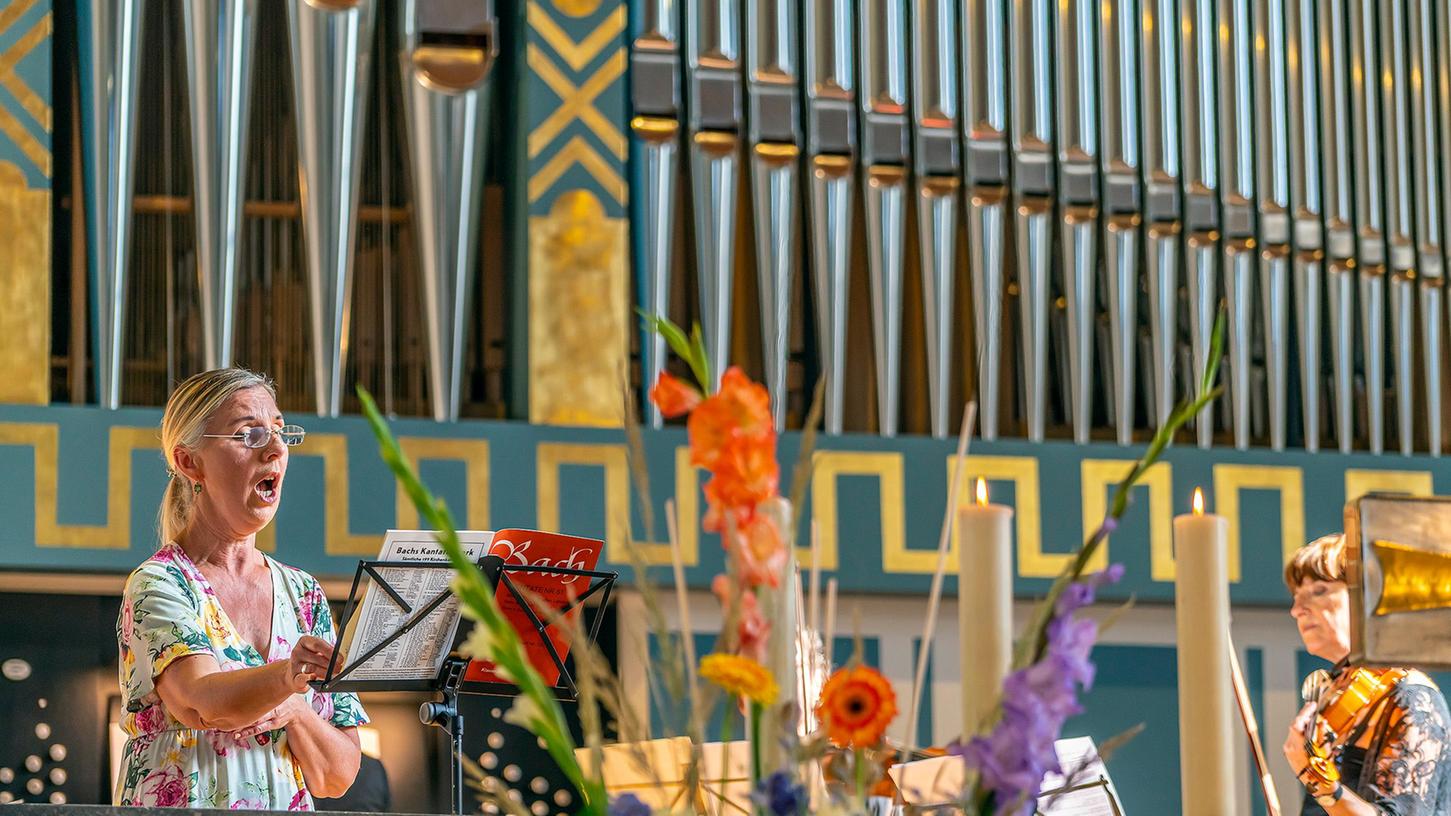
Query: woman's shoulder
column 165, row 565
column 1419, row 695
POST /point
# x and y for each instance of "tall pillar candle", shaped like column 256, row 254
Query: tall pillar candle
column 1206, row 702
column 984, row 604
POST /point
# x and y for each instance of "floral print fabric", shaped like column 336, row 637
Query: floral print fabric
column 170, row 611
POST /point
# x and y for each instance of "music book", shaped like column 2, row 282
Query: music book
column 526, row 554
column 398, row 595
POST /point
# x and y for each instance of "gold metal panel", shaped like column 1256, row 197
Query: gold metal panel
column 1288, row 481
column 578, row 310
column 24, row 290
column 45, row 439
column 1098, row 478
column 1414, row 579
column 550, row 456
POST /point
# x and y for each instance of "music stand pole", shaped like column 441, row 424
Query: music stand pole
column 445, row 715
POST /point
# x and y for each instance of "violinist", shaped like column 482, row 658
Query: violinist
column 1373, row 741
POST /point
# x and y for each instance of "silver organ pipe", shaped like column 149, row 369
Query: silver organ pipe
column 219, row 59
column 654, row 139
column 1369, row 180
column 773, row 115
column 1430, row 92
column 1123, row 200
column 713, row 105
column 113, row 33
column 1201, row 184
column 1272, row 165
column 1399, row 189
column 447, row 53
column 1163, row 200
column 330, row 74
column 1307, row 231
column 937, row 165
column 1077, row 98
column 1237, row 202
column 884, row 146
column 1029, row 25
column 1335, row 128
column 1280, row 155
column 985, row 165
column 831, row 161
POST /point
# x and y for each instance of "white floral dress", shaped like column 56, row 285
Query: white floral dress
column 169, row 611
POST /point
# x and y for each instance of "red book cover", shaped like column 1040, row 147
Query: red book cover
column 538, row 549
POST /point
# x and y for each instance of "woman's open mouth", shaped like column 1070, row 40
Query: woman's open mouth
column 267, row 488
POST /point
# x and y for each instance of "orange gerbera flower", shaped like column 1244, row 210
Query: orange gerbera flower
column 857, row 704
column 673, row 396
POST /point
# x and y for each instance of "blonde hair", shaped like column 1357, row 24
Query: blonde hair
column 188, row 410
column 1321, row 560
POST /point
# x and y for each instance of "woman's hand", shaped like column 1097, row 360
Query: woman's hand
column 308, row 662
column 282, row 716
column 1294, row 747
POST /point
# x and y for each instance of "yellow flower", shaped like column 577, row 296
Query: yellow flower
column 740, row 677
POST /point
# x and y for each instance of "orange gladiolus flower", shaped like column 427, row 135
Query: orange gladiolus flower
column 857, row 704
column 739, row 412
column 673, row 396
column 761, row 557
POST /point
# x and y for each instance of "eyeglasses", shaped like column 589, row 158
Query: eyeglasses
column 260, row 435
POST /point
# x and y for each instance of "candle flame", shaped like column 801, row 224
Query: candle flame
column 1198, row 501
column 981, row 492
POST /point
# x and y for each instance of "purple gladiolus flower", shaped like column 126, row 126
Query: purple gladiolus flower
column 1012, row 760
column 628, row 804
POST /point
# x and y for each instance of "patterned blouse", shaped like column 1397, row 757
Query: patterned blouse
column 169, row 611
column 1404, row 767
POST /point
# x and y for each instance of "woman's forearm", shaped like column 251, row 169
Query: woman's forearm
column 222, row 700
column 329, row 755
column 1352, row 805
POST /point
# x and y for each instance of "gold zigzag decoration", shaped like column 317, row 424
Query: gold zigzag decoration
column 576, row 54
column 577, row 102
column 115, row 534
column 29, row 100
column 577, row 150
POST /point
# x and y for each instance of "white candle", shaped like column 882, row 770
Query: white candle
column 1206, row 702
column 984, row 605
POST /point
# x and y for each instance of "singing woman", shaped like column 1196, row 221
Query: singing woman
column 218, row 641
column 1394, row 753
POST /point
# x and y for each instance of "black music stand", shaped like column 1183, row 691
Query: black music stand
column 449, row 680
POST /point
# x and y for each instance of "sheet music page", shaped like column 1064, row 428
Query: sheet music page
column 1089, row 791
column 419, row 654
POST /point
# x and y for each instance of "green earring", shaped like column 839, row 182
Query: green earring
column 196, row 488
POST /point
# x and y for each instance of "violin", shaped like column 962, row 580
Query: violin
column 1339, row 708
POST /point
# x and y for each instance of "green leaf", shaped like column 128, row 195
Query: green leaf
column 691, row 349
column 700, row 360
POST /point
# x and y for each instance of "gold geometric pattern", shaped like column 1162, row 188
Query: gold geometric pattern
column 576, row 54
column 29, row 100
column 115, row 534
column 1288, row 481
column 550, row 456
column 1097, row 476
column 578, row 101
column 577, row 151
